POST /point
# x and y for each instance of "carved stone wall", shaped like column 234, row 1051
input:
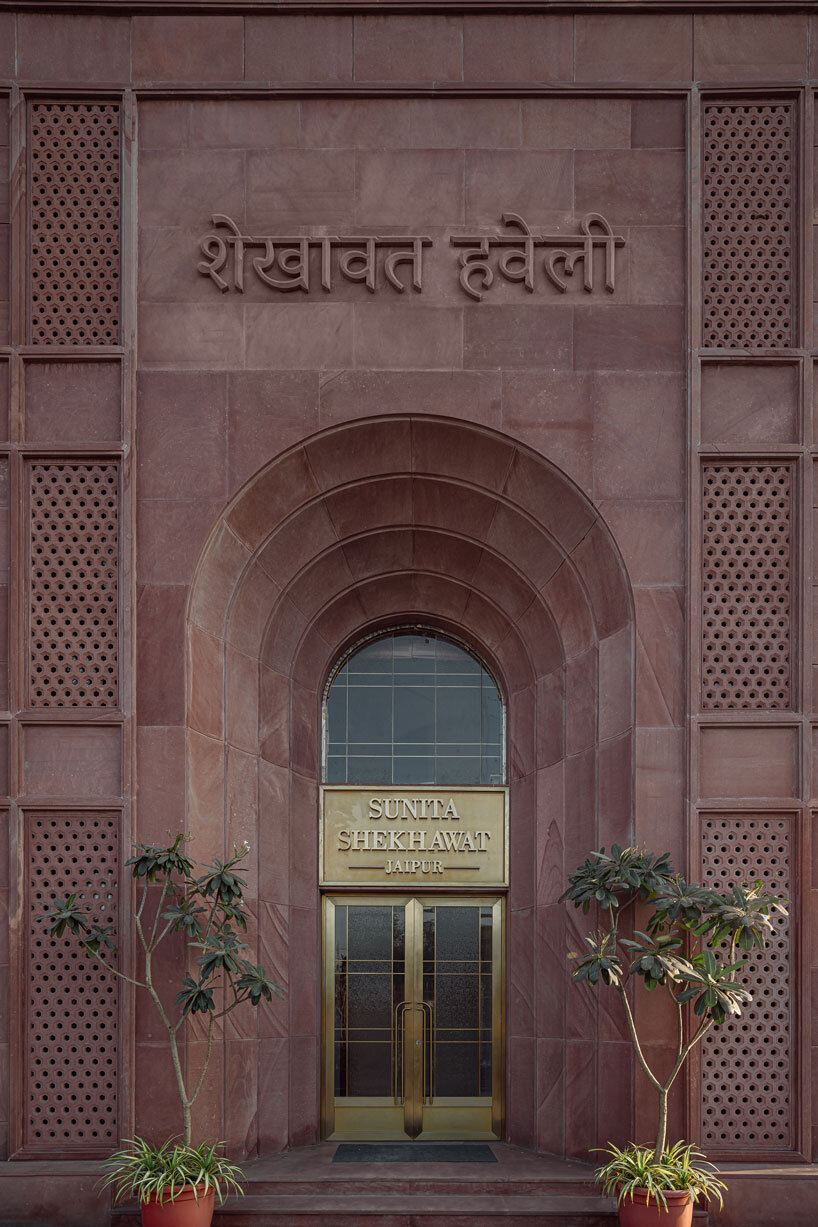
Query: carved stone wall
column 746, row 586
column 747, row 1064
column 74, row 608
column 74, row 191
column 748, row 214
column 746, row 553
column 63, row 755
column 72, row 1015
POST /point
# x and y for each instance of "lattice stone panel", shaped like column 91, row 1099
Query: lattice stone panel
column 747, row 1091
column 748, row 210
column 746, row 586
column 73, row 587
column 74, row 212
column 72, row 1032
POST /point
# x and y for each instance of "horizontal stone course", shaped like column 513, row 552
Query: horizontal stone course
column 283, row 48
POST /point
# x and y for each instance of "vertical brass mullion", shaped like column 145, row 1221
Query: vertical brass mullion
column 329, row 1018
column 498, row 1081
column 413, row 1050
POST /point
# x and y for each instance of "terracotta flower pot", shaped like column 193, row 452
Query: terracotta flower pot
column 183, row 1211
column 641, row 1213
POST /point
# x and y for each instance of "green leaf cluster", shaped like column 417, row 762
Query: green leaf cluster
column 605, row 878
column 206, row 907
column 740, row 920
column 154, row 863
column 144, row 1171
column 682, row 1168
column 599, row 962
column 69, row 914
column 208, row 910
column 687, row 948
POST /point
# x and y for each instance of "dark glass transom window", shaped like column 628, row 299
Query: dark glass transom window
column 411, row 708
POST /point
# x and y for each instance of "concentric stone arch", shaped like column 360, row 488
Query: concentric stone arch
column 378, row 522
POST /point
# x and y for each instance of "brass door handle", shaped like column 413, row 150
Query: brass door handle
column 425, row 1043
column 399, row 1037
column 428, row 1051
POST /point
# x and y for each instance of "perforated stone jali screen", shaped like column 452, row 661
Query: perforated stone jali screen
column 72, row 1032
column 747, row 1064
column 746, row 586
column 74, row 543
column 74, row 171
column 748, row 204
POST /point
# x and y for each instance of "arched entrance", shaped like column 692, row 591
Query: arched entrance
column 373, row 524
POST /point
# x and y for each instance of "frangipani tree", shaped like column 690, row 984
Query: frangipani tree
column 209, row 911
column 663, row 956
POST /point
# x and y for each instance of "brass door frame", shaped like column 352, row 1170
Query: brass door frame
column 412, row 1016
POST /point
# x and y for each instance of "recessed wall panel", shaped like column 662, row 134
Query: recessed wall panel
column 746, row 403
column 72, row 402
column 60, row 760
column 748, row 761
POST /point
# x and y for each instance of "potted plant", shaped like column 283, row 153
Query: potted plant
column 174, row 1184
column 657, row 1185
column 177, row 1183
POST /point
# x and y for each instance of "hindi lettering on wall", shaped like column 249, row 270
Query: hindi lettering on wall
column 287, row 260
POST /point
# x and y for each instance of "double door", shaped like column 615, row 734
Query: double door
column 413, row 1009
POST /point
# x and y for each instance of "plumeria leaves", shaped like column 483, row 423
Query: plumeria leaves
column 221, row 953
column 205, row 906
column 745, row 917
column 75, row 917
column 234, row 913
column 66, row 914
column 601, row 962
column 655, row 958
column 195, row 998
column 679, row 902
column 223, row 880
column 713, row 994
column 153, row 862
column 255, row 982
column 185, row 916
column 100, row 937
column 664, row 954
column 604, row 877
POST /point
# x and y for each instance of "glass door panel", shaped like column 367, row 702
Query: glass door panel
column 413, row 1006
column 458, row 993
column 368, row 987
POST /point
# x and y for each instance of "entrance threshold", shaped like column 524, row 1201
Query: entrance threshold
column 304, row 1187
column 414, row 1152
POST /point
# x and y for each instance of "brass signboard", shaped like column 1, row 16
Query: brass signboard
column 406, row 836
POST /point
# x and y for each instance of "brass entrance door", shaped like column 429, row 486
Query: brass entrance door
column 413, row 1008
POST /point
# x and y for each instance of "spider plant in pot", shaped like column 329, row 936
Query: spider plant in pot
column 175, row 1185
column 205, row 906
column 657, row 1185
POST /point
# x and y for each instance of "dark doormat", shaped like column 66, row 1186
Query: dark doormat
column 414, row 1152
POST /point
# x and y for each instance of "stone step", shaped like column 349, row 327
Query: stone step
column 410, row 1210
column 354, row 1183
column 418, row 1210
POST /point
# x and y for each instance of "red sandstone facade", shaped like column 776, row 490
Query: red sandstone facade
column 210, row 492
